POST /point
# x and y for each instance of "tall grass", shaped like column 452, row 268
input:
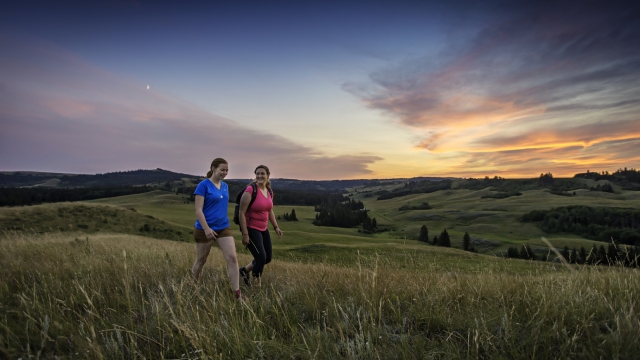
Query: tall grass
column 124, row 297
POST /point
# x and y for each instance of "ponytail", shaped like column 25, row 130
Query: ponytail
column 214, row 164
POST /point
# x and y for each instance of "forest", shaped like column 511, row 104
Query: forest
column 597, row 223
column 39, row 195
column 628, row 179
column 113, row 179
column 416, row 187
column 340, row 211
column 626, row 256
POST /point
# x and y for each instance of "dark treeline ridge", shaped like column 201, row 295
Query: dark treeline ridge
column 24, row 179
column 629, row 179
column 596, row 223
column 340, row 211
column 121, row 178
column 501, row 195
column 39, row 195
column 421, row 206
column 626, row 256
column 282, row 196
column 514, row 186
column 319, row 185
column 416, row 187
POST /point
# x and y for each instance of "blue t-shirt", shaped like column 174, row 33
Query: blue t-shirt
column 216, row 203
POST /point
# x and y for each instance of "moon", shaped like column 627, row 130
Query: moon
column 147, row 87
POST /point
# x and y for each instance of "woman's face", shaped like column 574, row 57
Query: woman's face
column 261, row 176
column 221, row 171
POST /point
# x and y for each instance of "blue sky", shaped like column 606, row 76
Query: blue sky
column 321, row 90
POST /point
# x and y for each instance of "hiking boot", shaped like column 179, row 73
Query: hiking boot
column 244, row 274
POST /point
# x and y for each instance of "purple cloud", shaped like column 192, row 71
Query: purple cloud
column 60, row 114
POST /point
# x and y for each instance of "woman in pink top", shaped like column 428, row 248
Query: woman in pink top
column 254, row 222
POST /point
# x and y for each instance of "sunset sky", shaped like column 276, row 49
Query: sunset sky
column 321, row 89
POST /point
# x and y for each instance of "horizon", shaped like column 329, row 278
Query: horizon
column 321, row 90
column 354, row 179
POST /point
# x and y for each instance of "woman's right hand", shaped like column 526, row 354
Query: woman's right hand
column 210, row 234
column 246, row 240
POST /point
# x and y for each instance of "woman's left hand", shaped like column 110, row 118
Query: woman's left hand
column 279, row 232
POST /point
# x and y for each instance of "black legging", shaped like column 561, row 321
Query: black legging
column 260, row 247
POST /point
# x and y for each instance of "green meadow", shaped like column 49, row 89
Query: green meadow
column 109, row 279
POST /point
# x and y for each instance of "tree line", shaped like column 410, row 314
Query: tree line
column 511, row 187
column 416, row 187
column 596, row 223
column 281, row 196
column 444, row 239
column 40, row 195
column 290, row 217
column 626, row 256
column 340, row 211
column 629, row 179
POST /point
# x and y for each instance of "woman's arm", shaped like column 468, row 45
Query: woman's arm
column 208, row 232
column 272, row 219
column 244, row 205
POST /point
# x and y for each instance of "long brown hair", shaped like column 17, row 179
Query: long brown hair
column 267, row 183
column 214, row 164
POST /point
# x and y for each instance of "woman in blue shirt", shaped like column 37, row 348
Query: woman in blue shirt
column 212, row 222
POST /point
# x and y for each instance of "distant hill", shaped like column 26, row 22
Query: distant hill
column 628, row 179
column 57, row 180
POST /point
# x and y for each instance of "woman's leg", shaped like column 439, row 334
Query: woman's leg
column 266, row 243
column 202, row 252
column 228, row 247
column 249, row 267
column 257, row 250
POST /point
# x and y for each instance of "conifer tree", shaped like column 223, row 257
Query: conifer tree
column 582, row 257
column 444, row 239
column 573, row 258
column 435, row 240
column 592, row 258
column 612, row 254
column 565, row 253
column 512, row 252
column 602, row 255
column 466, row 241
column 293, row 216
column 424, row 234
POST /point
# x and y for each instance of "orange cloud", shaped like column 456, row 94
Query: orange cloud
column 563, row 136
column 563, row 161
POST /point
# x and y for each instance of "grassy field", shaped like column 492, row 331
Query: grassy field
column 462, row 210
column 121, row 297
column 89, row 280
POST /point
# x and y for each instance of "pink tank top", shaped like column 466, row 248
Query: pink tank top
column 258, row 214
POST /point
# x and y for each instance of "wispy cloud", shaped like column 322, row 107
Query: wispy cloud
column 540, row 79
column 60, row 113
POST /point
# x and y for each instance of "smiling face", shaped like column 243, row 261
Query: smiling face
column 261, row 176
column 221, row 171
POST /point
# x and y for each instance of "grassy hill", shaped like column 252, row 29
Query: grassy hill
column 116, row 296
column 98, row 285
column 463, row 210
column 86, row 218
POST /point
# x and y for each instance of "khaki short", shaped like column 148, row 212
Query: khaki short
column 202, row 238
